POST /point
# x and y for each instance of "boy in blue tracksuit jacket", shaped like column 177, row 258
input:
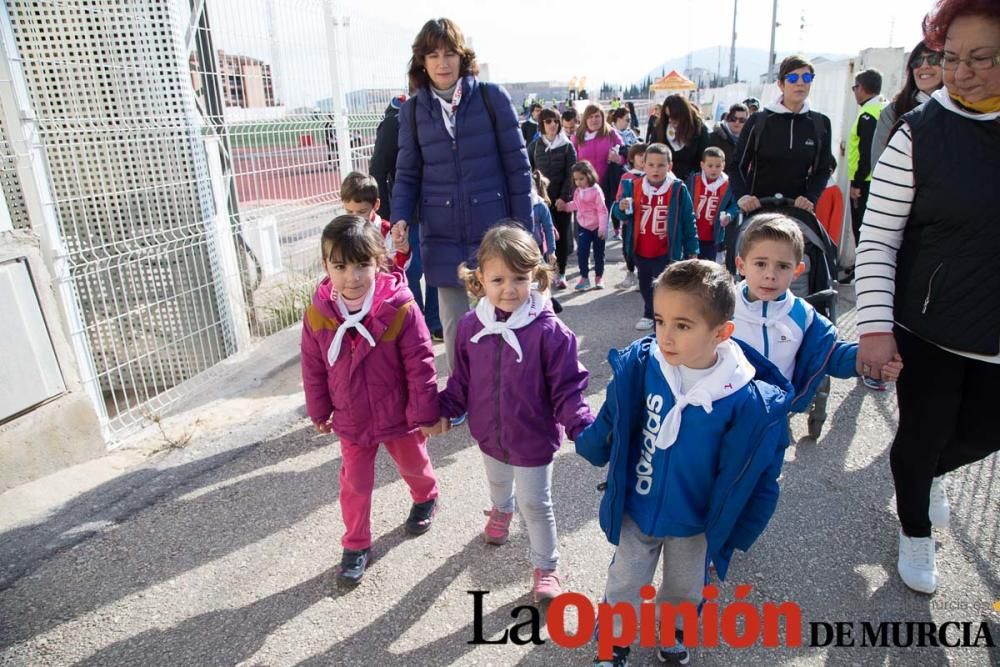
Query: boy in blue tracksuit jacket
column 693, row 434
column 783, row 327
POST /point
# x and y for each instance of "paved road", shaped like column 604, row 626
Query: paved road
column 223, row 552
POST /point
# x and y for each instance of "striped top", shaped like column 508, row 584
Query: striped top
column 889, row 203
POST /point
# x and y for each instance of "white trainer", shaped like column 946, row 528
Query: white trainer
column 629, row 282
column 939, row 511
column 917, row 563
column 644, row 324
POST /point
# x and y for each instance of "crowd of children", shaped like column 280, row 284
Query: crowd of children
column 690, row 407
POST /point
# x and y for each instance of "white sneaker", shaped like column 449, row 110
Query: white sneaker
column 917, row 565
column 939, row 511
column 629, row 282
column 644, row 324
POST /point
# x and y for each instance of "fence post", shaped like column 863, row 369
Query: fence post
column 335, row 25
column 33, row 174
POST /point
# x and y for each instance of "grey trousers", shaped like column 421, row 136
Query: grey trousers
column 533, row 489
column 453, row 303
column 634, row 564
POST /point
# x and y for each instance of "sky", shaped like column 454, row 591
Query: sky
column 530, row 40
column 539, row 40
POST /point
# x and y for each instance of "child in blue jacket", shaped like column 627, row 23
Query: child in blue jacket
column 692, row 433
column 783, row 327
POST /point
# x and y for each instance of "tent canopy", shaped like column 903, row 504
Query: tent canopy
column 673, row 81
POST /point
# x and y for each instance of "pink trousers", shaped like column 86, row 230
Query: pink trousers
column 357, row 482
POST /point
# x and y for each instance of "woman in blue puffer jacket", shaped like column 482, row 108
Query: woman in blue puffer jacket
column 461, row 163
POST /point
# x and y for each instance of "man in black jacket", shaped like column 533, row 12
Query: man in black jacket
column 382, row 166
column 529, row 128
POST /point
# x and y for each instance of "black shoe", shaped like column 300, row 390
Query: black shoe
column 619, row 659
column 421, row 516
column 675, row 657
column 352, row 566
column 437, row 336
column 556, row 306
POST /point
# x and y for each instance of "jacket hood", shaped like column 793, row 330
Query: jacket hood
column 724, row 132
column 390, row 288
column 778, row 106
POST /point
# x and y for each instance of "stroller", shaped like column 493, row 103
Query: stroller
column 817, row 284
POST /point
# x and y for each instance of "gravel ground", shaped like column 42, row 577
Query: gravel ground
column 223, row 551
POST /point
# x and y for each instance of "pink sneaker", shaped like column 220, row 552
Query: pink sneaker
column 546, row 584
column 498, row 527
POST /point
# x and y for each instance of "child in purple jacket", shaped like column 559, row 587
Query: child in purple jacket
column 368, row 373
column 516, row 374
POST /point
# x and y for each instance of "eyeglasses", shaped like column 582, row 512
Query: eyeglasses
column 932, row 59
column 738, row 119
column 550, row 120
column 951, row 61
column 794, row 77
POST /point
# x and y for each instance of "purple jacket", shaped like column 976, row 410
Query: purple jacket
column 375, row 393
column 515, row 409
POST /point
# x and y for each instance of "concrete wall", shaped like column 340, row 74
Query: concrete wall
column 64, row 431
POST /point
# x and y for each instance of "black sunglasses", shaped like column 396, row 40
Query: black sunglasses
column 932, row 59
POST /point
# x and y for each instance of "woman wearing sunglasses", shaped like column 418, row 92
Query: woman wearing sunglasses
column 726, row 134
column 784, row 148
column 923, row 77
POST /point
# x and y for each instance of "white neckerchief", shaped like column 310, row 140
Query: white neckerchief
column 650, row 191
column 560, row 140
column 672, row 140
column 351, row 322
column 587, row 135
column 921, row 97
column 777, row 310
column 449, row 109
column 520, row 318
column 714, row 186
column 731, row 373
column 778, row 106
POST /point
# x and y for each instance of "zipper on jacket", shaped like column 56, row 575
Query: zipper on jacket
column 763, row 330
column 496, row 392
column 791, row 132
column 930, row 286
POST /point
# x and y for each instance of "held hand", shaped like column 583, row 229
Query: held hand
column 855, row 194
column 804, row 204
column 748, row 203
column 325, row 427
column 613, row 156
column 874, row 352
column 724, row 219
column 560, row 205
column 892, row 369
column 400, row 237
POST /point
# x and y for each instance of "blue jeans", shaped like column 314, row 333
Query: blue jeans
column 649, row 270
column 584, row 239
column 426, row 302
column 708, row 250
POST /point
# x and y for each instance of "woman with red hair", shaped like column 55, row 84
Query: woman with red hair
column 927, row 284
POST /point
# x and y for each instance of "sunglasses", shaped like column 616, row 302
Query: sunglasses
column 932, row 59
column 794, row 77
column 551, row 120
column 738, row 119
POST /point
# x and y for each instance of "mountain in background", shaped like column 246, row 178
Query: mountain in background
column 751, row 63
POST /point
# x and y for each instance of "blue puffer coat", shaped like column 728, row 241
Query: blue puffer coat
column 463, row 186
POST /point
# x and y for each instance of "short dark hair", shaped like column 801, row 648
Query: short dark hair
column 635, row 150
column 660, row 149
column 772, row 227
column 620, row 112
column 708, row 282
column 736, row 107
column 870, row 80
column 570, row 114
column 534, row 105
column 439, row 34
column 547, row 114
column 714, row 151
column 359, row 187
column 792, row 63
column 352, row 239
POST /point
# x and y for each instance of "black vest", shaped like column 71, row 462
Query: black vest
column 948, row 268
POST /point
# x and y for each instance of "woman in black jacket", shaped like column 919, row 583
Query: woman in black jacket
column 681, row 128
column 726, row 134
column 791, row 156
column 553, row 155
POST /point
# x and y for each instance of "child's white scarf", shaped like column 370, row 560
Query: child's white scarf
column 351, row 322
column 520, row 318
column 732, row 372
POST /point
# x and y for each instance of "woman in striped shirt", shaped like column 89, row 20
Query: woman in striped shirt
column 927, row 280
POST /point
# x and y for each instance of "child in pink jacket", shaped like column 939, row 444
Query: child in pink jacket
column 591, row 223
column 368, row 373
